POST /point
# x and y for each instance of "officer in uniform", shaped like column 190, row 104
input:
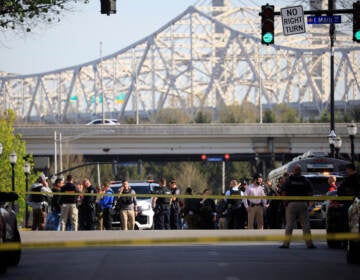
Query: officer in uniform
column 88, row 204
column 175, row 206
column 297, row 185
column 161, row 206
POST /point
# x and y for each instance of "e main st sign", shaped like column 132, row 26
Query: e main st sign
column 293, row 20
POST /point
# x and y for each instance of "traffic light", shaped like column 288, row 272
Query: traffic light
column 356, row 21
column 226, row 157
column 267, row 24
column 108, row 7
column 203, row 157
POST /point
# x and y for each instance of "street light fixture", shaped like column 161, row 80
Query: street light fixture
column 332, row 137
column 27, row 168
column 13, row 159
column 337, row 145
column 352, row 130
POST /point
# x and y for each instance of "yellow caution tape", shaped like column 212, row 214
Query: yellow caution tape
column 185, row 196
column 168, row 240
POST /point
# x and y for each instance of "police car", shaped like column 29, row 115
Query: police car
column 8, row 232
column 145, row 216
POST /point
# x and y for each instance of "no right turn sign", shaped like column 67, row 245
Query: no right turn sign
column 293, row 20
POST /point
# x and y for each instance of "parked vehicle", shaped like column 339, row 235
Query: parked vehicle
column 316, row 167
column 353, row 246
column 145, row 216
column 8, row 232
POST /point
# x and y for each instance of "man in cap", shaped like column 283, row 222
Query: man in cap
column 39, row 202
column 255, row 206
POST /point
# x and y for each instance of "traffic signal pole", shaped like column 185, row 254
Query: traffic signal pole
column 356, row 30
column 332, row 84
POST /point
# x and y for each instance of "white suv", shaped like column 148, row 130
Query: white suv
column 145, row 217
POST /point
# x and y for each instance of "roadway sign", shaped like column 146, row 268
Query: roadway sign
column 323, row 19
column 293, row 20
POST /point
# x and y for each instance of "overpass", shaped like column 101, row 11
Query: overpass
column 280, row 141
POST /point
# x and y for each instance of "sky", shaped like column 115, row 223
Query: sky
column 76, row 39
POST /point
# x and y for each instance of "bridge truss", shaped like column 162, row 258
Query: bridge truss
column 208, row 56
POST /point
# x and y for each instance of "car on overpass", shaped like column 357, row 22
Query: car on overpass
column 105, row 122
column 145, row 216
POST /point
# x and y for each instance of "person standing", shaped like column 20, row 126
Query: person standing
column 39, row 202
column 53, row 222
column 191, row 211
column 235, row 207
column 128, row 206
column 332, row 183
column 174, row 206
column 106, row 203
column 297, row 210
column 207, row 211
column 255, row 206
column 89, row 205
column 68, row 204
column 349, row 187
column 161, row 206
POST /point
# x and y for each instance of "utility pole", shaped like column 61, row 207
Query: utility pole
column 332, row 84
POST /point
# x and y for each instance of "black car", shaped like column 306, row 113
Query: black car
column 353, row 246
column 8, row 232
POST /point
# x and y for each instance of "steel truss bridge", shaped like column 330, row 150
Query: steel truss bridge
column 210, row 55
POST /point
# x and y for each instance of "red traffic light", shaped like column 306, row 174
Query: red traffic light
column 226, row 156
column 203, row 157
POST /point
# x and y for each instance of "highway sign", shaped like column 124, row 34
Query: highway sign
column 323, row 19
column 293, row 20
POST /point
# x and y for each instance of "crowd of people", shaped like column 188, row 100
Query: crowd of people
column 81, row 206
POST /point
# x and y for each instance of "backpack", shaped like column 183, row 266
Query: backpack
column 37, row 197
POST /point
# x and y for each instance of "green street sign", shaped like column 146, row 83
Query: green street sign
column 268, row 38
column 357, row 35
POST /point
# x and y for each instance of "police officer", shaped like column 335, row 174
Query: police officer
column 349, row 187
column 128, row 206
column 174, row 206
column 88, row 205
column 297, row 185
column 161, row 206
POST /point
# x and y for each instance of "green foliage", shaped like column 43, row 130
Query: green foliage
column 172, row 116
column 269, row 116
column 203, row 117
column 10, row 143
column 25, row 14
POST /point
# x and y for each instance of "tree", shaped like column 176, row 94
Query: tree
column 10, row 143
column 269, row 116
column 26, row 14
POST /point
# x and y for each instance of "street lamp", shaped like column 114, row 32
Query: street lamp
column 337, row 145
column 13, row 159
column 352, row 129
column 27, row 173
column 332, row 137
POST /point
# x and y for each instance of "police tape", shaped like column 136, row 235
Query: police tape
column 176, row 240
column 199, row 196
